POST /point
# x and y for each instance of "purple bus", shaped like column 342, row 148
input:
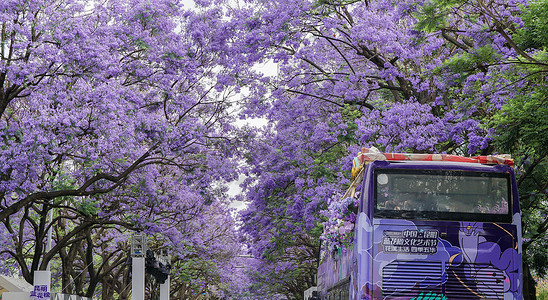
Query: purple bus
column 430, row 227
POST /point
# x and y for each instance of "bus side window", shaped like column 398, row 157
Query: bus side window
column 429, row 203
column 463, row 203
column 410, row 201
column 443, row 202
column 392, row 204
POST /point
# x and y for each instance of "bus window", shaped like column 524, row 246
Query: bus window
column 450, row 195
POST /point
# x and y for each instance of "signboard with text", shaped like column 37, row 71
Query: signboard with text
column 40, row 292
column 410, row 241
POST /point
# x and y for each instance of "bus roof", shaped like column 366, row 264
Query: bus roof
column 372, row 154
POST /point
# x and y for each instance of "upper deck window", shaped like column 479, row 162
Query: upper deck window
column 442, row 195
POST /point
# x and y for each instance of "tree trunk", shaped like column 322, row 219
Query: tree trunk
column 529, row 284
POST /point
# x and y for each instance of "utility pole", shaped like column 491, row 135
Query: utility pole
column 164, row 287
column 138, row 250
column 145, row 261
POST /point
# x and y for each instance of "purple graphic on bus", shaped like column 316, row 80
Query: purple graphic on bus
column 430, row 231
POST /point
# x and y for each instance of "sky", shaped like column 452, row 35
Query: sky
column 268, row 69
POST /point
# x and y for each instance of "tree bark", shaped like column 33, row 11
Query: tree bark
column 529, row 284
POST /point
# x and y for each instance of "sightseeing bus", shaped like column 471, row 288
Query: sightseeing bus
column 436, row 227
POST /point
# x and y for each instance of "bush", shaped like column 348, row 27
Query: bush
column 542, row 289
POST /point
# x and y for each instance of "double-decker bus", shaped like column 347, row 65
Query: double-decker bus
column 436, row 227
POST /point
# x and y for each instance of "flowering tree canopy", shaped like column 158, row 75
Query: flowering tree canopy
column 114, row 115
column 427, row 76
column 120, row 115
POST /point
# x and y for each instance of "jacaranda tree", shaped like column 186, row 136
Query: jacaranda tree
column 118, row 116
column 426, row 76
column 114, row 116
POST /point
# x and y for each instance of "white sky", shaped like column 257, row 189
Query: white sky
column 268, row 68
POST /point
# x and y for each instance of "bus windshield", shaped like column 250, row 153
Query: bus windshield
column 442, row 195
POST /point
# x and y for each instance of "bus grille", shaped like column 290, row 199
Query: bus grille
column 399, row 277
column 487, row 282
column 467, row 281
